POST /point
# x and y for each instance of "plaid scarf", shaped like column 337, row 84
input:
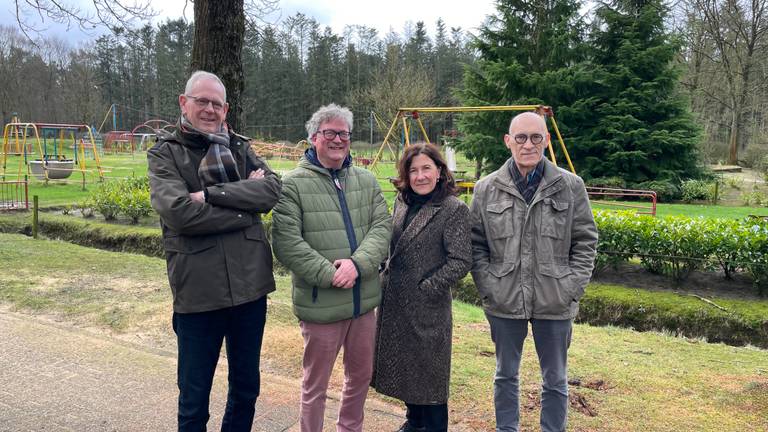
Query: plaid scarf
column 528, row 184
column 218, row 165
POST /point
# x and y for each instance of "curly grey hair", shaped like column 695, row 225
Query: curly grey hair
column 327, row 113
column 200, row 75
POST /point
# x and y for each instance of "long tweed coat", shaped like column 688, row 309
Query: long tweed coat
column 413, row 341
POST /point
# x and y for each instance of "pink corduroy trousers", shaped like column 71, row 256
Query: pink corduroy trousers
column 322, row 343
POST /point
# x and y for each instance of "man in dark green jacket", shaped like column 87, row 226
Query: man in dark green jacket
column 210, row 189
column 331, row 228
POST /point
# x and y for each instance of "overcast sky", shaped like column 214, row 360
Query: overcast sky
column 381, row 14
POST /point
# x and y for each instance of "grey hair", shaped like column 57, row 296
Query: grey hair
column 201, row 75
column 327, row 113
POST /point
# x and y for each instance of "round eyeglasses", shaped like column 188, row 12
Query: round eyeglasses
column 535, row 138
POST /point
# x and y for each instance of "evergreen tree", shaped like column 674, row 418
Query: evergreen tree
column 639, row 127
column 530, row 53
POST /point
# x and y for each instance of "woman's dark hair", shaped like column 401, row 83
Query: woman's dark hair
column 446, row 185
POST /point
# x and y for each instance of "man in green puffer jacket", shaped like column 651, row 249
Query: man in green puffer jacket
column 331, row 228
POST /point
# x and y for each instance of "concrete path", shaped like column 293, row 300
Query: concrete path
column 56, row 378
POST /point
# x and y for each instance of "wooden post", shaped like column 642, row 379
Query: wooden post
column 34, row 216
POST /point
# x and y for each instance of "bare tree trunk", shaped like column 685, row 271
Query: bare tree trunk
column 733, row 139
column 218, row 46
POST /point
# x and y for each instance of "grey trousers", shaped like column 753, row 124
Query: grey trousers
column 552, row 339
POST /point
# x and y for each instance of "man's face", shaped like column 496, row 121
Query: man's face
column 332, row 152
column 204, row 106
column 523, row 131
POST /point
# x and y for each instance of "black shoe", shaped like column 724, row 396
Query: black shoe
column 406, row 427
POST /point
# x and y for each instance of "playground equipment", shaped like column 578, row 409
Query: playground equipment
column 48, row 144
column 405, row 114
column 606, row 196
column 282, row 151
column 117, row 141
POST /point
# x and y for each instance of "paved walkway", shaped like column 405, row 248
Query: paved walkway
column 56, row 378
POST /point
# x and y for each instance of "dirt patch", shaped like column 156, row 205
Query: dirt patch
column 597, row 384
column 580, row 403
column 705, row 284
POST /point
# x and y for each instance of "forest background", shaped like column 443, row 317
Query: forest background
column 633, row 83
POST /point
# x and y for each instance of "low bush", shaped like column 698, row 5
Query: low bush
column 607, row 182
column 666, row 190
column 754, row 198
column 127, row 197
column 694, row 190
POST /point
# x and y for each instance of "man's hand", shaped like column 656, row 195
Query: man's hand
column 258, row 174
column 197, row 196
column 346, row 274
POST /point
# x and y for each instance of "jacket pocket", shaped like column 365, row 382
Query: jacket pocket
column 555, row 289
column 188, row 245
column 501, row 219
column 554, row 217
column 500, row 293
column 257, row 251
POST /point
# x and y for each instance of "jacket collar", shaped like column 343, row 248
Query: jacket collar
column 310, row 155
column 419, row 222
column 551, row 181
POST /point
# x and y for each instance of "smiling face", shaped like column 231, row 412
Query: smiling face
column 423, row 174
column 331, row 152
column 205, row 116
column 527, row 154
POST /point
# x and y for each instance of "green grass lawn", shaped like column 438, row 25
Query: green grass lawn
column 704, row 210
column 630, row 381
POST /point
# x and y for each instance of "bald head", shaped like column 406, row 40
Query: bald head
column 527, row 139
column 526, row 117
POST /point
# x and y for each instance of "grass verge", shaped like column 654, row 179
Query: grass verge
column 622, row 380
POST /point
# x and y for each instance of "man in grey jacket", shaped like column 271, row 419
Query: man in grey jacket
column 533, row 250
column 210, row 189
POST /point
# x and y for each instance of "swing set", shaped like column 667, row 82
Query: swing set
column 606, row 196
column 42, row 148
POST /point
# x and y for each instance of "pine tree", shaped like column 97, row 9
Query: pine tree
column 639, row 127
column 530, row 53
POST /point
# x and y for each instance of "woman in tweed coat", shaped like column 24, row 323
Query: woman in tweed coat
column 429, row 252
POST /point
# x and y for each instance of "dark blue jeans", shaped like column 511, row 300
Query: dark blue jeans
column 428, row 418
column 199, row 337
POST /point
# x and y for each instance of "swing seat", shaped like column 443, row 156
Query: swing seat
column 57, row 169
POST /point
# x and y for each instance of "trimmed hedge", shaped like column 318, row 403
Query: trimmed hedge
column 676, row 245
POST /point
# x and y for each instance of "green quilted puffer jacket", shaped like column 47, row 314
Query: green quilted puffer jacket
column 309, row 234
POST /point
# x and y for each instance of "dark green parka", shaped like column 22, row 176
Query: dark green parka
column 217, row 253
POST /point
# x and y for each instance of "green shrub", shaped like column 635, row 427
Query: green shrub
column 106, row 199
column 607, row 182
column 754, row 198
column 128, row 197
column 676, row 246
column 693, row 190
column 735, row 182
column 666, row 191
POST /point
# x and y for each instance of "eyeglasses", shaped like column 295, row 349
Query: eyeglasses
column 331, row 134
column 203, row 103
column 536, row 139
